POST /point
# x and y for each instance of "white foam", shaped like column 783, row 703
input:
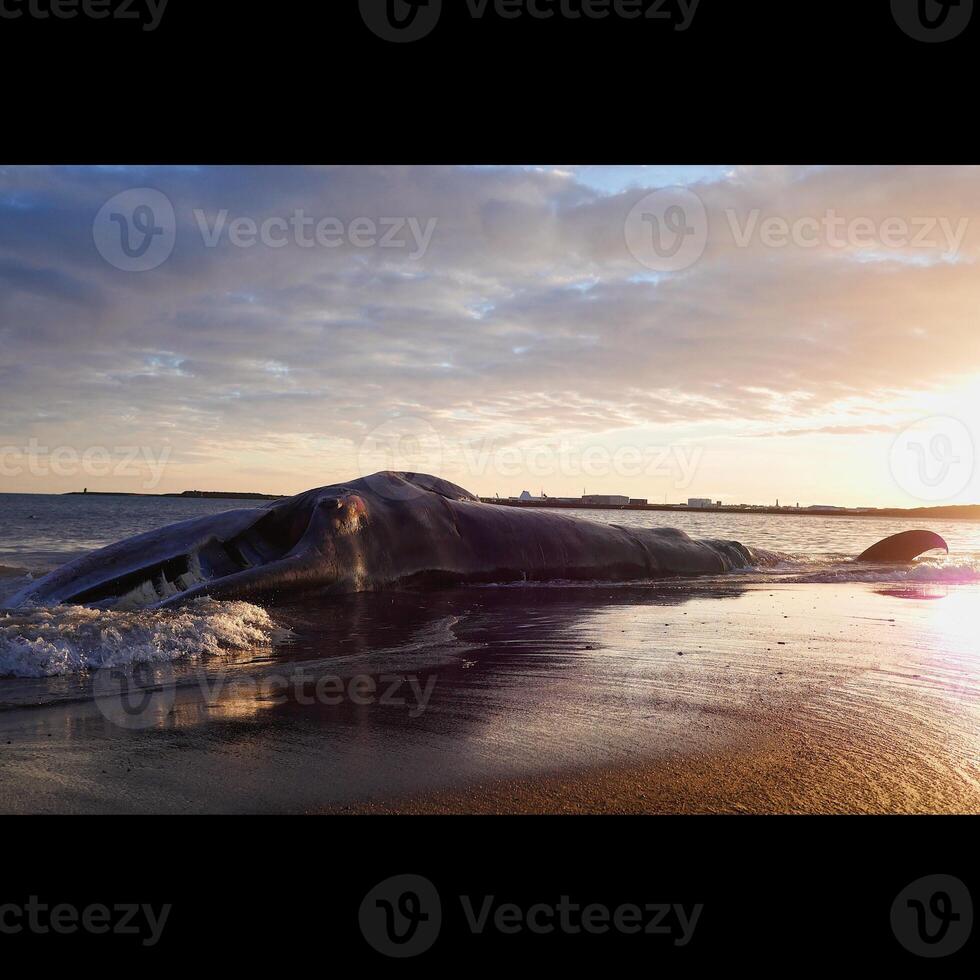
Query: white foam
column 47, row 642
column 938, row 570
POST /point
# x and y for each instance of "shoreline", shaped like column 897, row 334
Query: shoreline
column 965, row 512
column 184, row 495
column 959, row 512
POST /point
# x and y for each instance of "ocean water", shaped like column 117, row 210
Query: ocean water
column 39, row 533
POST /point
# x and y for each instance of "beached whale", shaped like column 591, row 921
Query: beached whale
column 383, row 531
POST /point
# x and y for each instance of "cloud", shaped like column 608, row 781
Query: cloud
column 829, row 430
column 526, row 317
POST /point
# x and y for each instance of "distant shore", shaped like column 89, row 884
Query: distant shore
column 206, row 494
column 964, row 512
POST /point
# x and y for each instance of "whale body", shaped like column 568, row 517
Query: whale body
column 389, row 530
column 383, row 531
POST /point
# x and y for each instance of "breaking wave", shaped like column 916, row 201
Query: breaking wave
column 50, row 642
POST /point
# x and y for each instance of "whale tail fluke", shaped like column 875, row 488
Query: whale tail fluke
column 904, row 547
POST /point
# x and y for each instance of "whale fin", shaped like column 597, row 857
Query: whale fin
column 904, row 547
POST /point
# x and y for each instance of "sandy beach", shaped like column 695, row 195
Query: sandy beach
column 786, row 767
column 720, row 698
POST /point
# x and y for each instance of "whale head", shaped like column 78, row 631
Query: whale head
column 312, row 541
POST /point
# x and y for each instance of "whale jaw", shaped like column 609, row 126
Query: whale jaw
column 904, row 548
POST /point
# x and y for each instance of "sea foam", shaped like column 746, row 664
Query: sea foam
column 48, row 642
column 948, row 571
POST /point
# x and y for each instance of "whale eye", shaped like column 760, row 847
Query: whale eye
column 344, row 513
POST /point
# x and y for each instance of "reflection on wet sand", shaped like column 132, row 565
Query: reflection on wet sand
column 914, row 593
column 395, row 696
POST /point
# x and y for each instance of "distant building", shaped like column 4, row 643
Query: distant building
column 526, row 497
column 699, row 502
column 606, row 500
column 639, row 501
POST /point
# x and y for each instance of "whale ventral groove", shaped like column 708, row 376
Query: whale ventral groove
column 387, row 531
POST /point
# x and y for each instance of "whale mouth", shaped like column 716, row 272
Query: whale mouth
column 153, row 583
column 265, row 542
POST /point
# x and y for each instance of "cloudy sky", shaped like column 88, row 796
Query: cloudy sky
column 744, row 333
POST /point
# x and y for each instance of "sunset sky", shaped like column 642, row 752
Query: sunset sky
column 515, row 342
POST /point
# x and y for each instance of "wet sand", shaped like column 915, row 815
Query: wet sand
column 790, row 766
column 728, row 698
